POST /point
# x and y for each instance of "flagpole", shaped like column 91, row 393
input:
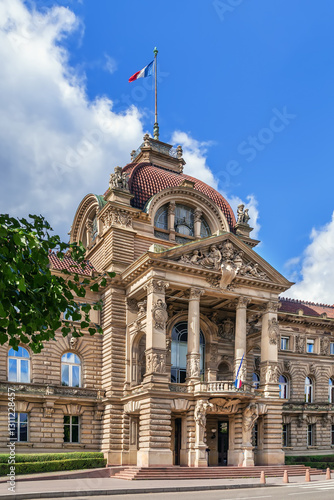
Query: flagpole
column 156, row 126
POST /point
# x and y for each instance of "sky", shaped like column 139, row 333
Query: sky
column 246, row 87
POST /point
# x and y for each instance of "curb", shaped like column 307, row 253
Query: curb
column 134, row 491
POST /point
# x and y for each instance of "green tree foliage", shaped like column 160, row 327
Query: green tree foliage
column 32, row 298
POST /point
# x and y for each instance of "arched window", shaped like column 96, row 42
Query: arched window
column 331, row 390
column 19, row 365
column 255, row 381
column 283, row 387
column 70, row 370
column 308, row 390
column 184, row 224
column 179, row 352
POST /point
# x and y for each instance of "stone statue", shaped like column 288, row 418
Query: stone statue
column 212, row 259
column 242, row 215
column 119, row 180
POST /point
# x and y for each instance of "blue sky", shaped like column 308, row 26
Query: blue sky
column 247, row 87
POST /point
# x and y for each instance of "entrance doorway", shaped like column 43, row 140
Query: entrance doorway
column 222, row 442
column 177, row 441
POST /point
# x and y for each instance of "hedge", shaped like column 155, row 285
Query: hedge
column 309, row 458
column 46, row 457
column 53, row 465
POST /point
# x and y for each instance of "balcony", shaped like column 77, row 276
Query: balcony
column 224, row 387
column 54, row 391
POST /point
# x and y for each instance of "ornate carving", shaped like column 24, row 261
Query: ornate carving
column 171, row 208
column 116, row 217
column 193, row 365
column 195, row 293
column 72, row 341
column 287, row 365
column 168, row 345
column 201, row 408
column 142, row 307
column 242, row 215
column 273, row 331
column 228, row 259
column 119, row 180
column 223, row 405
column 270, row 374
column 257, row 362
column 155, row 362
column 197, row 215
column 48, row 409
column 226, row 329
column 214, row 353
column 132, row 305
column 300, row 344
column 272, row 306
column 324, row 346
column 249, row 417
column 242, row 302
column 160, row 315
column 156, row 286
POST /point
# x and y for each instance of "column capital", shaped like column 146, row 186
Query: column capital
column 243, row 302
column 195, row 293
column 272, row 306
column 156, row 286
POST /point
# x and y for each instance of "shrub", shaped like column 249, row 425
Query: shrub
column 28, row 467
column 316, row 461
column 46, row 457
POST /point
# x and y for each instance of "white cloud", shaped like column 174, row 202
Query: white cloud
column 55, row 144
column 110, row 64
column 315, row 269
column 194, row 153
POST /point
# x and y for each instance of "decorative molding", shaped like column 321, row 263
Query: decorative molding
column 324, row 346
column 193, row 366
column 160, row 315
column 156, row 286
column 226, row 329
column 156, row 362
column 224, row 405
column 72, row 409
column 273, row 331
column 270, row 373
column 112, row 216
column 300, row 343
column 132, row 305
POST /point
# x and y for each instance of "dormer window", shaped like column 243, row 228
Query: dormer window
column 180, row 223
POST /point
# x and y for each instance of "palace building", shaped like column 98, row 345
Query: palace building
column 200, row 360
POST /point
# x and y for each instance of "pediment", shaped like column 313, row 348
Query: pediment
column 229, row 258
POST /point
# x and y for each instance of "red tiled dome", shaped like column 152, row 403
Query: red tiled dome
column 146, row 180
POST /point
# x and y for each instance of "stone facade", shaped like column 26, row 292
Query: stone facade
column 181, row 323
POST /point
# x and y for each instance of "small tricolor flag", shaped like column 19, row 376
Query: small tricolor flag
column 143, row 73
column 238, row 381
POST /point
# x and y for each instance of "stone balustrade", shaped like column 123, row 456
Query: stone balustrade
column 54, row 390
column 212, row 387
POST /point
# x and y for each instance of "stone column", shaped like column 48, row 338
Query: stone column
column 240, row 338
column 193, row 356
column 197, row 222
column 156, row 332
column 271, row 453
column 171, row 220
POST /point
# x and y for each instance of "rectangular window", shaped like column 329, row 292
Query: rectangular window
column 19, row 432
column 286, row 435
column 255, row 435
column 71, row 429
column 310, row 345
column 310, row 435
column 332, row 348
column 332, row 435
column 284, row 343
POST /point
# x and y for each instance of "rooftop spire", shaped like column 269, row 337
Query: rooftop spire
column 156, row 125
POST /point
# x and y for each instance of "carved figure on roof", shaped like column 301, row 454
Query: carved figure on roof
column 119, row 180
column 242, row 214
column 212, row 259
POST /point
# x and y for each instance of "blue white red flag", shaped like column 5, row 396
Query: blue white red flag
column 143, row 73
column 238, row 381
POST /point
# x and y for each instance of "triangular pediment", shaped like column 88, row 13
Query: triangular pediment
column 229, row 257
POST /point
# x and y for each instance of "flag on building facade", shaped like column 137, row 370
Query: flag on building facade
column 143, row 73
column 238, row 381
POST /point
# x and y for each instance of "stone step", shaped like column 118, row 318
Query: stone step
column 177, row 472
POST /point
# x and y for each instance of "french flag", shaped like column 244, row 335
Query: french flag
column 238, row 381
column 143, row 73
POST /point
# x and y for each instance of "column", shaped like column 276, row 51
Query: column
column 197, row 222
column 240, row 338
column 271, row 453
column 156, row 332
column 171, row 220
column 193, row 356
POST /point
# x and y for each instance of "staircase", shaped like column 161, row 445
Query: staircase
column 176, row 472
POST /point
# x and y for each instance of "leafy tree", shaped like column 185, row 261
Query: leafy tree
column 32, row 298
